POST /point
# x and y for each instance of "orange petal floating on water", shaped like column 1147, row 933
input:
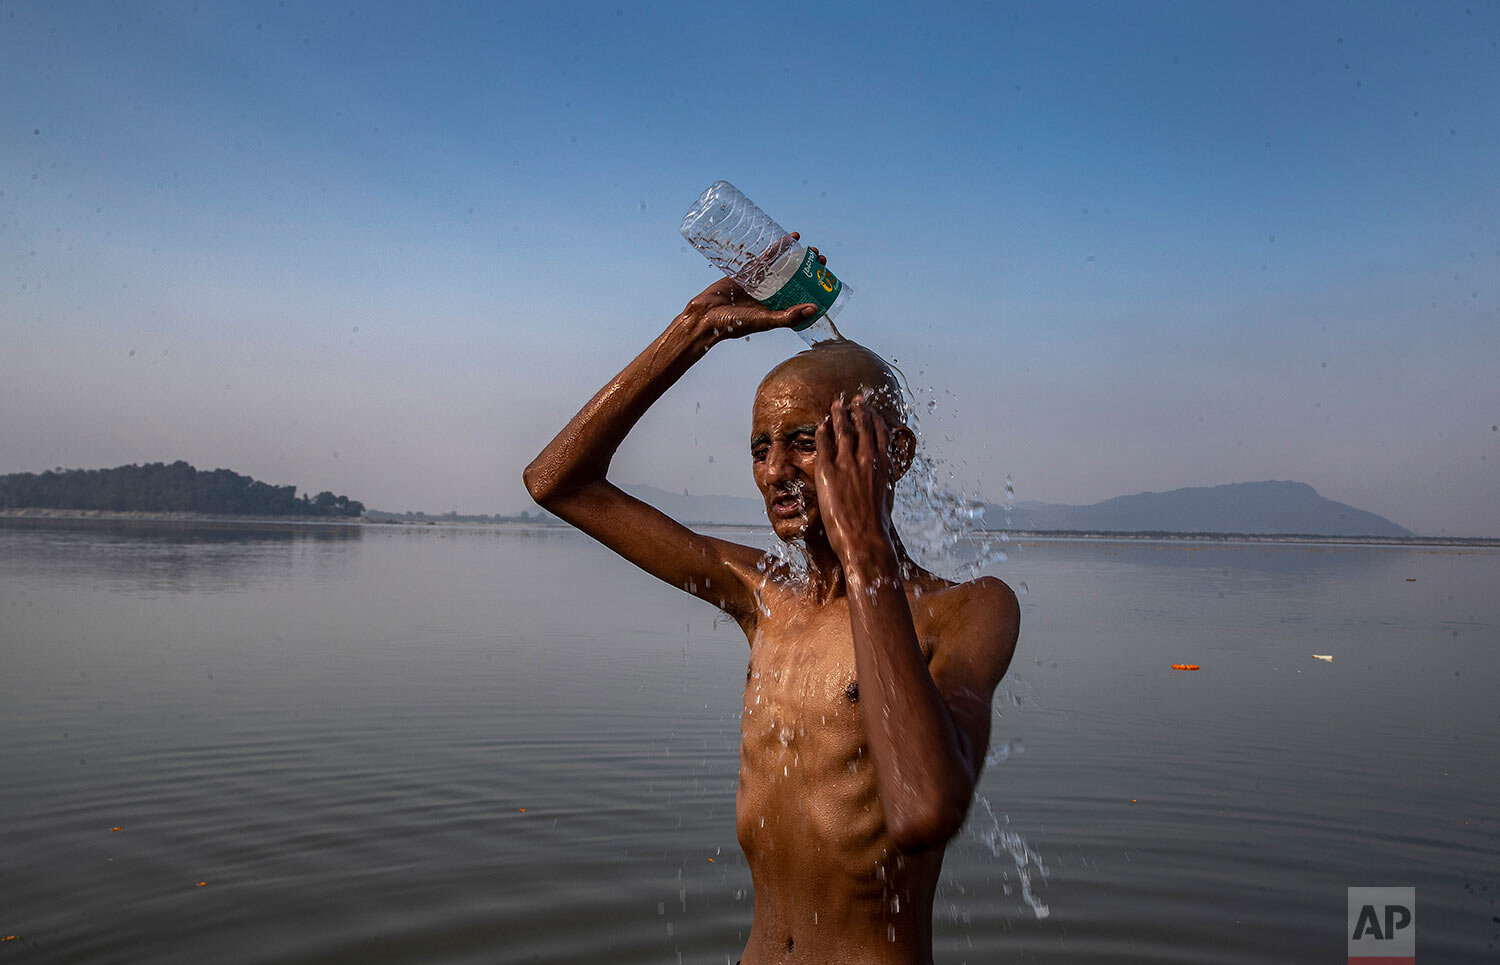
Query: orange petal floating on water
column 9, row 938
column 522, row 810
column 200, row 884
column 115, row 828
column 711, row 860
column 1185, row 666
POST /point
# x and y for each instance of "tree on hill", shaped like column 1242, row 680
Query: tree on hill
column 161, row 488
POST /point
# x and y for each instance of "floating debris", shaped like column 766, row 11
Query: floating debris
column 1185, row 666
column 1325, row 657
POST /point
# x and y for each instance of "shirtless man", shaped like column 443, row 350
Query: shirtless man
column 867, row 695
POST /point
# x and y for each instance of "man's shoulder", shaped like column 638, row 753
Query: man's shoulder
column 986, row 596
column 981, row 617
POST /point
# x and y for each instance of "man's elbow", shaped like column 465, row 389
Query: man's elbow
column 540, row 483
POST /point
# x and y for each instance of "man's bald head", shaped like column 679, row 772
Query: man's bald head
column 845, row 368
column 793, row 400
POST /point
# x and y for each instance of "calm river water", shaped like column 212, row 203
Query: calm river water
column 261, row 743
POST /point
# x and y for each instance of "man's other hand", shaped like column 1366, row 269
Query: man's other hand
column 855, row 477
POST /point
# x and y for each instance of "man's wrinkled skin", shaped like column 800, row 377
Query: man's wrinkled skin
column 867, row 695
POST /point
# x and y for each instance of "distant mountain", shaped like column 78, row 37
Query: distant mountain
column 1258, row 508
column 685, row 508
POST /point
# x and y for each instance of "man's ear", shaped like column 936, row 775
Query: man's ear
column 903, row 450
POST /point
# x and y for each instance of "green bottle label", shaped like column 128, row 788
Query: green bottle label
column 811, row 283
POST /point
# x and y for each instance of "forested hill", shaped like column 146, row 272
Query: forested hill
column 161, row 488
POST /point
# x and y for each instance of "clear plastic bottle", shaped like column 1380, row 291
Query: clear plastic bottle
column 744, row 243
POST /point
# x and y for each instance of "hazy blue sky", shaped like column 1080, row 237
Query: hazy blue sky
column 388, row 249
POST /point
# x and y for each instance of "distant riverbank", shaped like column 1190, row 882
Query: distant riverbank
column 181, row 517
column 1042, row 536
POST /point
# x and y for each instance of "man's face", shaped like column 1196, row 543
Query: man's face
column 782, row 449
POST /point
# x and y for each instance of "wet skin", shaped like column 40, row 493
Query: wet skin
column 867, row 693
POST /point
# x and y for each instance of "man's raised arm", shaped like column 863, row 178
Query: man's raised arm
column 568, row 478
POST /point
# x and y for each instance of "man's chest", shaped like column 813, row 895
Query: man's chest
column 803, row 668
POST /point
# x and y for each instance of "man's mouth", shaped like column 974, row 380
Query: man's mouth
column 788, row 505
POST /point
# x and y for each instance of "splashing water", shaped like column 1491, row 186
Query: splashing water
column 783, row 563
column 934, row 521
column 1004, row 750
column 940, row 524
column 1003, row 841
column 944, row 531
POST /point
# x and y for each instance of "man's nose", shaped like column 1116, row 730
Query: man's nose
column 780, row 466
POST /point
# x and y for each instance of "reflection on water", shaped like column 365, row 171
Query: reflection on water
column 448, row 744
column 168, row 555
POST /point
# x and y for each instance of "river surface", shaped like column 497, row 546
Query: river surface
column 279, row 743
